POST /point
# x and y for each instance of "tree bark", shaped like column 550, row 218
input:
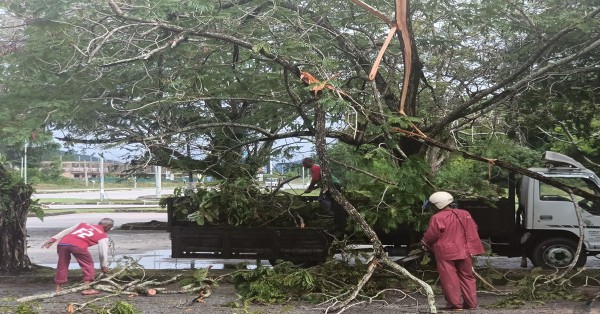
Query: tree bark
column 378, row 249
column 15, row 199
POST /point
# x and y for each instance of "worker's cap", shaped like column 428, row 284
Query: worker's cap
column 440, row 199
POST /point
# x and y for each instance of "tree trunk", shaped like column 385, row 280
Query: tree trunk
column 15, row 199
column 379, row 254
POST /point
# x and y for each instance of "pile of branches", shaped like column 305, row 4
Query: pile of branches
column 130, row 279
column 540, row 285
column 329, row 284
column 241, row 204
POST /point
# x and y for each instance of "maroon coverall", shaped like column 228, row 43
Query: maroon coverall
column 75, row 241
column 453, row 238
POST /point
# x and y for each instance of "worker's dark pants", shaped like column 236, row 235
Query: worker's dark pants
column 325, row 200
column 340, row 216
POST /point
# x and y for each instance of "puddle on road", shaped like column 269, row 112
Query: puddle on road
column 161, row 259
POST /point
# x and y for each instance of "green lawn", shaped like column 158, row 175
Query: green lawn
column 67, row 201
column 109, row 185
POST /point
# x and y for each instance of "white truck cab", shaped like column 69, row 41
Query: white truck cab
column 548, row 217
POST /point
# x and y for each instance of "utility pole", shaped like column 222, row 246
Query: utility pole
column 190, row 186
column 85, row 174
column 102, row 179
column 25, row 164
column 158, row 182
column 303, row 176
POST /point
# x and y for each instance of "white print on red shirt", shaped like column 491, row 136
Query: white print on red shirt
column 83, row 232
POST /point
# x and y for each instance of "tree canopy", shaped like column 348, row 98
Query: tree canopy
column 214, row 86
column 196, row 83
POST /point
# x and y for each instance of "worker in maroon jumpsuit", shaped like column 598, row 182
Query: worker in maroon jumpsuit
column 75, row 241
column 452, row 237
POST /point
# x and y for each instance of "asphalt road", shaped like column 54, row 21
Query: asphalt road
column 152, row 248
column 68, row 220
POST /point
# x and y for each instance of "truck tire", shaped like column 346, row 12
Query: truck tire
column 557, row 253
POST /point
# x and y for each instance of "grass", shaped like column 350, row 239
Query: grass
column 70, row 201
column 71, row 184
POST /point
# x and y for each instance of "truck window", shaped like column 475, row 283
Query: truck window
column 550, row 193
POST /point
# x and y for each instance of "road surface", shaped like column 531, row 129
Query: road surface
column 65, row 221
column 151, row 247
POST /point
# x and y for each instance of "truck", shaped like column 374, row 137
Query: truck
column 535, row 220
column 544, row 226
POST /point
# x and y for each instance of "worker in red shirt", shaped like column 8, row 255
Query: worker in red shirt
column 452, row 237
column 325, row 199
column 75, row 241
column 315, row 174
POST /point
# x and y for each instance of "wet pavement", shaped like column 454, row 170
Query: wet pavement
column 153, row 247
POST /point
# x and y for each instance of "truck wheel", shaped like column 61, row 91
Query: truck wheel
column 557, row 253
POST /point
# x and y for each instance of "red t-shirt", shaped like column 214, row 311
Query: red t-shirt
column 315, row 173
column 84, row 236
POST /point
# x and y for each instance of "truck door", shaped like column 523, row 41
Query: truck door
column 553, row 209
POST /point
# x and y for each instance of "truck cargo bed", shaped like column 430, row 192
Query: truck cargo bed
column 298, row 245
column 294, row 244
